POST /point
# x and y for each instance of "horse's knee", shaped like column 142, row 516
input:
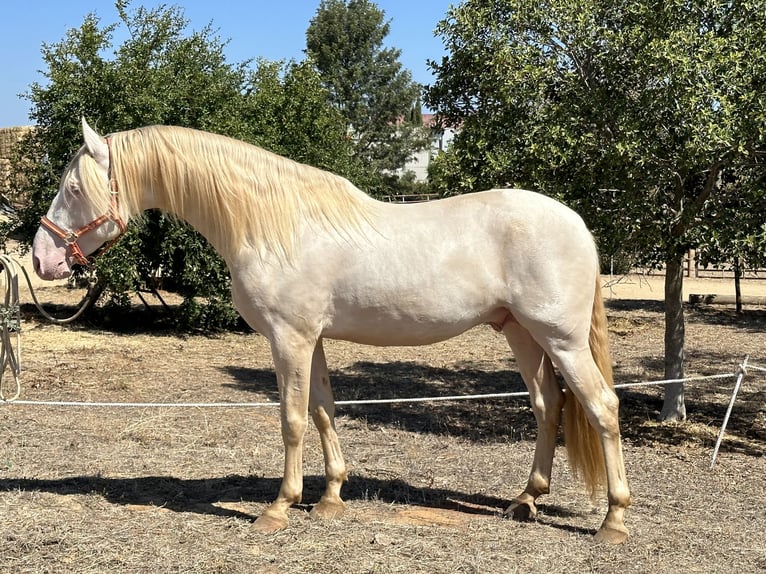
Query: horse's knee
column 293, row 428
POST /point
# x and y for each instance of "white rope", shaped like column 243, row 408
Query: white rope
column 341, row 403
column 264, row 404
column 671, row 381
column 97, row 404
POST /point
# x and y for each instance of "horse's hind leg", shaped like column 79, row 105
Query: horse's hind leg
column 547, row 401
column 601, row 405
column 322, row 408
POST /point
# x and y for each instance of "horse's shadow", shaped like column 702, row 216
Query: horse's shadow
column 205, row 496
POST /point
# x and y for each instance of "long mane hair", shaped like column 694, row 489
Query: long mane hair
column 249, row 196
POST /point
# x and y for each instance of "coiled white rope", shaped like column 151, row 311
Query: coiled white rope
column 10, row 329
column 10, row 323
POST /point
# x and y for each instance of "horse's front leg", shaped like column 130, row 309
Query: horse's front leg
column 292, row 361
column 322, row 408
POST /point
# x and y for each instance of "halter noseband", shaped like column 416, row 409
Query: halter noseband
column 70, row 237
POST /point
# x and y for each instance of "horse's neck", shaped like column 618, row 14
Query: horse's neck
column 158, row 197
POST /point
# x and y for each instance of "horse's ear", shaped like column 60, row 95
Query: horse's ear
column 95, row 145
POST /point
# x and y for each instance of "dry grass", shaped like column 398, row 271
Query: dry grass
column 169, row 490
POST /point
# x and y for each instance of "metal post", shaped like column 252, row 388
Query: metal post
column 740, row 377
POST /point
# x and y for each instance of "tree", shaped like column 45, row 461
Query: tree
column 742, row 242
column 633, row 112
column 287, row 111
column 162, row 74
column 366, row 82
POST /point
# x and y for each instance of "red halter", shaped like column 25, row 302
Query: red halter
column 71, row 237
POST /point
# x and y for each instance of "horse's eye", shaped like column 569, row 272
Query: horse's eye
column 74, row 188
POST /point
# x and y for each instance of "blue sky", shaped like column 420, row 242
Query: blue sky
column 272, row 29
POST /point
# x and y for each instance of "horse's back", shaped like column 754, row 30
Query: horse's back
column 523, row 228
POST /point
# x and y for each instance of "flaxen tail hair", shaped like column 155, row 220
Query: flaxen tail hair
column 586, row 456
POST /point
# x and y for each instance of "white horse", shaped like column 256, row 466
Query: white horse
column 311, row 257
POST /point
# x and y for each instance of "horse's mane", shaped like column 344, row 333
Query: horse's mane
column 247, row 195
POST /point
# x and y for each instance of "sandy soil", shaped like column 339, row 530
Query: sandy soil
column 651, row 287
column 148, row 490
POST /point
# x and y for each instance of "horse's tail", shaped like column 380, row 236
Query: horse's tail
column 586, row 456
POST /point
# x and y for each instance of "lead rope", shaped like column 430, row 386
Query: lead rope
column 10, row 323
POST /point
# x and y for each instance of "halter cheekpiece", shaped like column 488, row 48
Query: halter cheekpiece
column 70, row 237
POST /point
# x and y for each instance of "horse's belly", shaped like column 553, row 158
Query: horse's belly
column 388, row 329
column 383, row 336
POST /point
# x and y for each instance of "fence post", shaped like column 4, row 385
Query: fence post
column 741, row 372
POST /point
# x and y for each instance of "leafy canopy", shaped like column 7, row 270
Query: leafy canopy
column 629, row 110
column 165, row 74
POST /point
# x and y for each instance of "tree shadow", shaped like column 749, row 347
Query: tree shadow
column 476, row 419
column 506, row 419
column 745, row 432
column 706, row 404
column 750, row 320
column 511, row 418
column 648, row 305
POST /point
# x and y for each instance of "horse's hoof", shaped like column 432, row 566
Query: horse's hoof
column 268, row 523
column 521, row 511
column 611, row 535
column 328, row 510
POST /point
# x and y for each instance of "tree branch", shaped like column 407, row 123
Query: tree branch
column 696, row 206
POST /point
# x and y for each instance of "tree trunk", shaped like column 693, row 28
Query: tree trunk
column 737, row 284
column 674, row 408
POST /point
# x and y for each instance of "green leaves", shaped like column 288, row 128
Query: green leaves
column 366, row 84
column 164, row 73
column 632, row 112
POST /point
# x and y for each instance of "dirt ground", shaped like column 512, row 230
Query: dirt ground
column 651, row 287
column 145, row 490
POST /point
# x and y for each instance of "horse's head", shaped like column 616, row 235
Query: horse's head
column 84, row 214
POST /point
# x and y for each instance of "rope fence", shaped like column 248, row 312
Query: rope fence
column 357, row 402
column 10, row 351
column 739, row 374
